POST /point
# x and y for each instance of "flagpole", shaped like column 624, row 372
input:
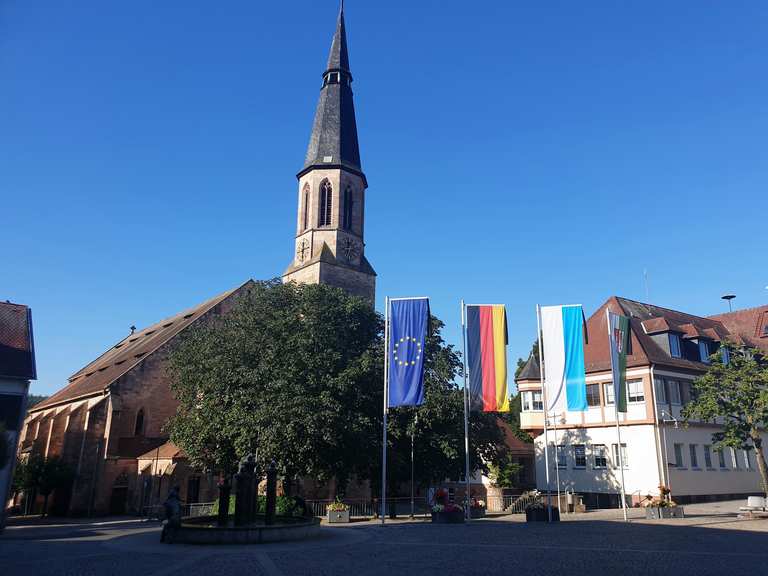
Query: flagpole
column 466, row 412
column 616, row 413
column 384, row 432
column 546, row 413
column 557, row 465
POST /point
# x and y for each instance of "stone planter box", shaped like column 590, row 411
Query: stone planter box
column 657, row 513
column 456, row 517
column 540, row 514
column 477, row 512
column 338, row 516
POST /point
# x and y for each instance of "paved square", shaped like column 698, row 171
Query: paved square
column 711, row 540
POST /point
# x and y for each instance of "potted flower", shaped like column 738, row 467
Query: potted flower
column 476, row 508
column 444, row 512
column 538, row 512
column 338, row 512
column 662, row 506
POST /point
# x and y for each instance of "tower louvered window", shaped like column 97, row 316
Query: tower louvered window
column 326, row 203
column 348, row 207
column 305, row 223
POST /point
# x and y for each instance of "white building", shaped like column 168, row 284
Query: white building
column 668, row 350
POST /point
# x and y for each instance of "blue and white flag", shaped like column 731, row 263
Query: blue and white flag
column 408, row 321
column 562, row 330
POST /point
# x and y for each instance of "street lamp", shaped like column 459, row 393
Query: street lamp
column 664, row 420
column 729, row 297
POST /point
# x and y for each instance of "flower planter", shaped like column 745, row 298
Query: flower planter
column 540, row 514
column 453, row 517
column 659, row 512
column 338, row 516
column 477, row 512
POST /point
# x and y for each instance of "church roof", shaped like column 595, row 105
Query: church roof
column 97, row 376
column 333, row 142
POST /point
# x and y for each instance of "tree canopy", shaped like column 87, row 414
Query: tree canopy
column 734, row 390
column 294, row 373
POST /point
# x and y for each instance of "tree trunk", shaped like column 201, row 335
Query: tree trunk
column 761, row 466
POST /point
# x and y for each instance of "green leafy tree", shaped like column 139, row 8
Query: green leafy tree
column 735, row 391
column 439, row 424
column 505, row 473
column 39, row 475
column 291, row 374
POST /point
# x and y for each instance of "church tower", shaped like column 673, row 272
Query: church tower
column 331, row 203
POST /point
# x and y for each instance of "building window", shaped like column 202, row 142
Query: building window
column 608, row 391
column 708, row 456
column 674, row 392
column 661, row 390
column 598, row 453
column 526, row 399
column 348, row 207
column 674, row 345
column 704, row 351
column 593, row 395
column 562, row 457
column 624, row 455
column 305, row 218
column 538, row 403
column 725, row 355
column 579, row 456
column 635, row 392
column 138, row 429
column 326, row 203
column 747, row 463
column 721, row 459
column 692, row 448
column 735, row 459
column 679, row 462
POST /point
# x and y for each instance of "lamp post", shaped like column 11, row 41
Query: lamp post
column 413, row 433
column 664, row 442
column 728, row 297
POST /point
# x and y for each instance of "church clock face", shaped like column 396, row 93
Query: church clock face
column 302, row 251
column 350, row 249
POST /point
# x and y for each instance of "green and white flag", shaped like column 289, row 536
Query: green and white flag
column 618, row 335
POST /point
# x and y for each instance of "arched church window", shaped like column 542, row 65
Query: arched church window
column 138, row 429
column 348, row 207
column 305, row 220
column 326, row 203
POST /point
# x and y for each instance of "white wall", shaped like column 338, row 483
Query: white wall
column 640, row 475
column 702, row 481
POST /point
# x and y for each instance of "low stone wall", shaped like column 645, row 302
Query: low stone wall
column 285, row 529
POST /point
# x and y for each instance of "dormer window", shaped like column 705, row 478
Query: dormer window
column 704, row 351
column 674, row 345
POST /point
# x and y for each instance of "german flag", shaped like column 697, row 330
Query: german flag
column 487, row 357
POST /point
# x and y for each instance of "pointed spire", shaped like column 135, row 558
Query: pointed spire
column 338, row 59
column 333, row 142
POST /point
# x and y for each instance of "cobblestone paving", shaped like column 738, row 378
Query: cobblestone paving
column 711, row 540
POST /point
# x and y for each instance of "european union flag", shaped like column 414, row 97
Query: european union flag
column 407, row 331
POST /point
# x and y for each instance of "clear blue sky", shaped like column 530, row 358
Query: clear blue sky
column 523, row 153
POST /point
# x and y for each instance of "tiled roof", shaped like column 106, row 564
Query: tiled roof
column 750, row 325
column 646, row 320
column 96, row 377
column 17, row 352
column 530, row 370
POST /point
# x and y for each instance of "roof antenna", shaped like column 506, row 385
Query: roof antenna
column 645, row 281
column 133, row 328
